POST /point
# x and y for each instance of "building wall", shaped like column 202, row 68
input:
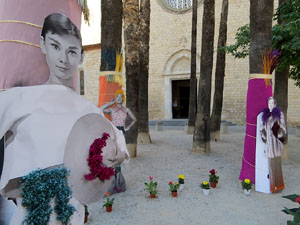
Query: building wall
column 170, row 42
column 91, row 68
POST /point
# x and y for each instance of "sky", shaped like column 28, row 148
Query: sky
column 91, row 34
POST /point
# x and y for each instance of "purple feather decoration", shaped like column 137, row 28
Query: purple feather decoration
column 275, row 114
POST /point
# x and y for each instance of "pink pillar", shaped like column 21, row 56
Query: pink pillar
column 21, row 64
column 257, row 100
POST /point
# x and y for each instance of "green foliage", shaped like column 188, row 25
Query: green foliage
column 285, row 37
column 151, row 187
column 241, row 47
column 295, row 212
column 246, row 184
column 109, row 202
column 204, row 185
column 180, row 181
column 213, row 177
column 173, row 187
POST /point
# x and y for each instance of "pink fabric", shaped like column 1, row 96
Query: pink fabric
column 257, row 100
column 24, row 65
column 118, row 116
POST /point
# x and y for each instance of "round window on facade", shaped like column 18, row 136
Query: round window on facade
column 178, row 5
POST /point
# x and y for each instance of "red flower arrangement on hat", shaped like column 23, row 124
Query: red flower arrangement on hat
column 97, row 170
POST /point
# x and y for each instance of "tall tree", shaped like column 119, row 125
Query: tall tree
column 219, row 75
column 261, row 13
column 281, row 87
column 144, row 32
column 193, row 79
column 201, row 138
column 131, row 24
column 111, row 32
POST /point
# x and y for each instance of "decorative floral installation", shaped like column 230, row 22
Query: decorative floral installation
column 181, row 179
column 151, row 186
column 295, row 212
column 213, row 177
column 297, row 200
column 109, row 202
column 173, row 187
column 95, row 161
column 270, row 60
column 246, row 184
column 38, row 188
column 205, row 185
column 275, row 114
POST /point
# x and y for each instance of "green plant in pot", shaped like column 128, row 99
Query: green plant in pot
column 173, row 188
column 205, row 187
column 109, row 203
column 151, row 187
column 213, row 178
column 247, row 185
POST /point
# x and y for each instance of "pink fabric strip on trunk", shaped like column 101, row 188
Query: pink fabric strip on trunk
column 257, row 100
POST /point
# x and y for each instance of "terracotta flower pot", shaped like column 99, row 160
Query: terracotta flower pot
column 174, row 193
column 108, row 208
column 213, row 184
column 86, row 217
column 152, row 195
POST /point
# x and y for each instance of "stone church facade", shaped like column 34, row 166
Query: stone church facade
column 169, row 68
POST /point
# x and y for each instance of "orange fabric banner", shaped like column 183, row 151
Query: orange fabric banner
column 107, row 92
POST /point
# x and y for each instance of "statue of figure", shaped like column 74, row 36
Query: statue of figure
column 42, row 118
column 119, row 113
column 273, row 131
column 118, row 117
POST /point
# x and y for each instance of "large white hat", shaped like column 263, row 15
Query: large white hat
column 84, row 132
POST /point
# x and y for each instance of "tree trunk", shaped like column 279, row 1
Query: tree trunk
column 131, row 23
column 201, row 138
column 261, row 13
column 219, row 76
column 193, row 78
column 111, row 32
column 144, row 32
column 281, row 93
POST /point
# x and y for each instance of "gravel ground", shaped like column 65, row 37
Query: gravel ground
column 170, row 155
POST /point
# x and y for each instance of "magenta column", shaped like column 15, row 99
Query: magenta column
column 257, row 100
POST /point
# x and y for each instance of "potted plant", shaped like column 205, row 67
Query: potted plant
column 213, row 178
column 173, row 188
column 181, row 181
column 205, row 187
column 151, row 187
column 86, row 214
column 294, row 211
column 247, row 185
column 109, row 203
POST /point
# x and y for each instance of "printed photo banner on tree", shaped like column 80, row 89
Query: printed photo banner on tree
column 259, row 90
column 107, row 89
column 110, row 81
column 22, row 62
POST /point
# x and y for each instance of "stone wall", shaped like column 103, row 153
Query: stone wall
column 91, row 68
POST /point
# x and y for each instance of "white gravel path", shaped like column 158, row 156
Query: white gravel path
column 170, row 155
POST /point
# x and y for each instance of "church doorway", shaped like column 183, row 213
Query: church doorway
column 180, row 98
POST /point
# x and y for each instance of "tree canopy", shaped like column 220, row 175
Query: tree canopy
column 285, row 37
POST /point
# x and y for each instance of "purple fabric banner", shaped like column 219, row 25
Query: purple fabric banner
column 257, row 100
